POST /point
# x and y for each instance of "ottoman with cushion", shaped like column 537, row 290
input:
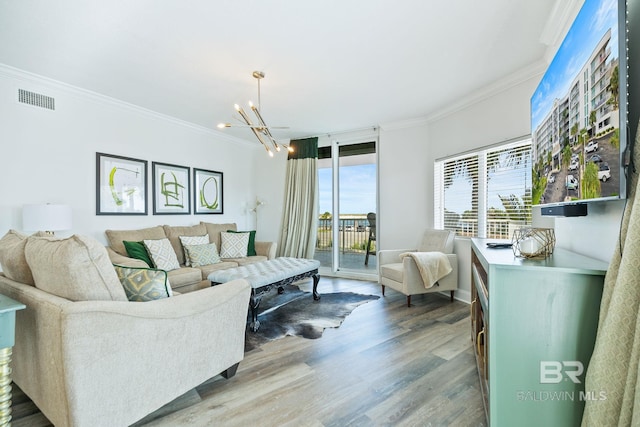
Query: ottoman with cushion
column 264, row 275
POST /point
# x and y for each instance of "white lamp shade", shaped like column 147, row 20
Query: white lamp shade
column 46, row 217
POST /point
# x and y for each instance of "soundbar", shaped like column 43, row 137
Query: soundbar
column 578, row 209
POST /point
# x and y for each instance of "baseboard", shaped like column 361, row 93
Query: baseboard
column 461, row 295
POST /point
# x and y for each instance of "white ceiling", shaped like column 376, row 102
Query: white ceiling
column 330, row 65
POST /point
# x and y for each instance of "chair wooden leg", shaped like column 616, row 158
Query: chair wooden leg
column 366, row 257
column 408, row 300
column 382, row 290
column 452, row 295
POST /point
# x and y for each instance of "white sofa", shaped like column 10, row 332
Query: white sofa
column 100, row 360
column 185, row 279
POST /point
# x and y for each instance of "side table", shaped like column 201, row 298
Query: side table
column 8, row 308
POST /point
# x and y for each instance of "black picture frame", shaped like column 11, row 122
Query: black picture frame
column 208, row 191
column 171, row 189
column 121, row 185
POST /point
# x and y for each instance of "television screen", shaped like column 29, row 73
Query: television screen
column 579, row 111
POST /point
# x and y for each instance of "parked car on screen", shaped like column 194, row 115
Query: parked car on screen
column 604, row 173
column 574, row 166
column 571, row 182
column 591, row 147
column 552, row 179
column 595, row 158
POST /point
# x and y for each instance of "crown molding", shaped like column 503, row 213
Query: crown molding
column 404, row 124
column 534, row 70
column 8, row 71
column 558, row 23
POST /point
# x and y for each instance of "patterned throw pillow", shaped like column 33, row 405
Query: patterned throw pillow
column 144, row 284
column 234, row 245
column 251, row 248
column 202, row 254
column 162, row 254
column 192, row 240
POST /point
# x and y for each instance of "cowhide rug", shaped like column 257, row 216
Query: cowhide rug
column 296, row 313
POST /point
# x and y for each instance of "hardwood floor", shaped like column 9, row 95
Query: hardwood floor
column 386, row 365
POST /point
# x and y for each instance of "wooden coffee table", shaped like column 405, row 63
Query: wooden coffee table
column 263, row 276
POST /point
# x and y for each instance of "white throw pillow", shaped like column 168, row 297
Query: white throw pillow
column 192, row 240
column 200, row 255
column 234, row 245
column 162, row 254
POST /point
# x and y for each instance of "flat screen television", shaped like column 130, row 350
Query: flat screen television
column 579, row 112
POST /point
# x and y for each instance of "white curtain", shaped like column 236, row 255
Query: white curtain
column 300, row 213
column 613, row 375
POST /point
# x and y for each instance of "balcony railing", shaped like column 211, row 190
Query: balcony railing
column 353, row 234
column 496, row 228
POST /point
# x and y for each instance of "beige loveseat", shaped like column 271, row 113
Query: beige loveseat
column 87, row 356
column 184, row 279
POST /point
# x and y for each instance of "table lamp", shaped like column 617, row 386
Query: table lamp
column 46, row 217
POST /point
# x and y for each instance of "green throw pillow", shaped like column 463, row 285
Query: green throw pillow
column 144, row 284
column 251, row 249
column 137, row 250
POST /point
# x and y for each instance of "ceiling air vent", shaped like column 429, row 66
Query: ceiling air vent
column 36, row 99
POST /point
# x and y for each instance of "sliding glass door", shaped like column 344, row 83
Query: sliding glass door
column 347, row 175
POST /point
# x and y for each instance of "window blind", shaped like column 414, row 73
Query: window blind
column 484, row 193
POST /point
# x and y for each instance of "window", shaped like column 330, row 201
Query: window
column 485, row 193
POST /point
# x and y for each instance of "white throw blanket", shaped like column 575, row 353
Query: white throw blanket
column 433, row 266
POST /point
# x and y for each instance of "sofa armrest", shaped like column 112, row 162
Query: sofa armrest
column 118, row 259
column 391, row 256
column 267, row 249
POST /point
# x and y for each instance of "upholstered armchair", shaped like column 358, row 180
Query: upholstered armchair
column 398, row 269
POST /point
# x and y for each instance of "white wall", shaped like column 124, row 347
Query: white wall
column 406, row 177
column 405, row 170
column 50, row 156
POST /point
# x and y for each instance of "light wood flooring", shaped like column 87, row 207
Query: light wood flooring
column 386, row 365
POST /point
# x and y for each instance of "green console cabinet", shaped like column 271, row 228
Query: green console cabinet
column 533, row 326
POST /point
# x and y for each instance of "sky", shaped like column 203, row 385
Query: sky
column 592, row 22
column 357, row 189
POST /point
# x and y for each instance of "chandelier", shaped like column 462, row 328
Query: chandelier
column 260, row 129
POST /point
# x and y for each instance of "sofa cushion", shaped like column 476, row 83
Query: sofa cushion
column 138, row 250
column 214, row 230
column 143, row 284
column 437, row 241
column 12, row 258
column 162, row 254
column 173, row 233
column 234, row 245
column 184, row 276
column 116, row 237
column 192, row 240
column 392, row 271
column 251, row 247
column 77, row 268
column 199, row 255
column 248, row 259
column 222, row 265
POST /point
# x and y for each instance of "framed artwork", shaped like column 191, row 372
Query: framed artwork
column 121, row 185
column 207, row 191
column 171, row 189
